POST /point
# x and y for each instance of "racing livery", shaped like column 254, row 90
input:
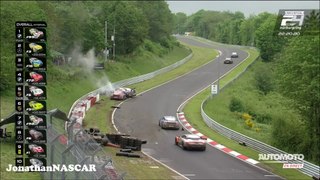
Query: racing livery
column 123, row 93
column 191, row 141
column 35, row 76
column 35, row 148
column 35, row 91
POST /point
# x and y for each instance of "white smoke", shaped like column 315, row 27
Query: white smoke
column 87, row 61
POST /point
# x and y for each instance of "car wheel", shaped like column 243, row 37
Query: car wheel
column 203, row 149
column 183, row 147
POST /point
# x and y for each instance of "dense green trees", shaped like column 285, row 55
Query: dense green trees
column 299, row 79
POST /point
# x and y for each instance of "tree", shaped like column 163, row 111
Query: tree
column 179, row 22
column 299, row 79
column 268, row 44
column 159, row 19
column 130, row 25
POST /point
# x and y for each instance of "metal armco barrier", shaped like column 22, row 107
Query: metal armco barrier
column 107, row 89
column 308, row 168
column 79, row 148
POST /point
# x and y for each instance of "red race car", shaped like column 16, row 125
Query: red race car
column 191, row 141
column 123, row 93
column 35, row 76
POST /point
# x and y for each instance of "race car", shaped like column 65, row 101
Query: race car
column 35, row 162
column 35, row 91
column 36, row 135
column 35, row 105
column 191, row 141
column 35, row 76
column 169, row 122
column 35, row 148
column 35, row 33
column 35, row 120
column 35, row 47
column 36, row 62
column 228, row 61
column 123, row 93
column 234, row 54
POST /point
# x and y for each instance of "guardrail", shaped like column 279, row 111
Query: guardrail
column 308, row 168
column 83, row 157
column 107, row 89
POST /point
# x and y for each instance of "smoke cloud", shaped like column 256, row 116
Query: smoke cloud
column 87, row 61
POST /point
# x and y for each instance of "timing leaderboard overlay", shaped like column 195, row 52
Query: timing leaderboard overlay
column 31, row 95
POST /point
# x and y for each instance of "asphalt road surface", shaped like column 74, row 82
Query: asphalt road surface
column 139, row 117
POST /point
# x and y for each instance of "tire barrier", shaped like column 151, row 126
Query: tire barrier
column 115, row 138
column 78, row 110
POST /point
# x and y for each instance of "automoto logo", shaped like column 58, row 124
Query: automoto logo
column 283, row 158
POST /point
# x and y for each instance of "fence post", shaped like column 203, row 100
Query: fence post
column 64, row 160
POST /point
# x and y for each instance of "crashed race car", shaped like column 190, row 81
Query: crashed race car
column 123, row 93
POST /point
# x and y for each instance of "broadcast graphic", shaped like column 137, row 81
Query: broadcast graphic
column 160, row 90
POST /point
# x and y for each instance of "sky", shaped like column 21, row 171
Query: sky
column 246, row 7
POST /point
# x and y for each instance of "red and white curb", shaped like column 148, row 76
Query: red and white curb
column 213, row 143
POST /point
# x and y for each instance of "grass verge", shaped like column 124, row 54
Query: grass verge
column 193, row 114
column 100, row 113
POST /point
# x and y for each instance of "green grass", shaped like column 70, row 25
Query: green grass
column 193, row 114
column 66, row 85
column 99, row 116
column 200, row 57
column 140, row 168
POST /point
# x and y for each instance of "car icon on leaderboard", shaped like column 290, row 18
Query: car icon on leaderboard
column 35, row 47
column 36, row 76
column 35, row 91
column 36, row 149
column 35, row 120
column 35, row 33
column 36, row 106
column 35, row 62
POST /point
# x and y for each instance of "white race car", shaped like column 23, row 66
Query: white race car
column 191, row 141
column 35, row 91
column 36, row 162
column 35, row 120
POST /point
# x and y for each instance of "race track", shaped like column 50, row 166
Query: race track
column 139, row 117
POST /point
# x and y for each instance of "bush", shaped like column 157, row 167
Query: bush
column 263, row 80
column 263, row 118
column 288, row 135
column 246, row 116
column 249, row 123
column 236, row 105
